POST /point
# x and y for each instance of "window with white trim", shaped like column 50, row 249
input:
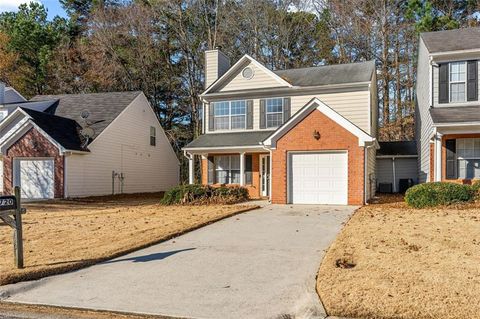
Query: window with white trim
column 230, row 115
column 468, row 157
column 458, row 81
column 227, row 169
column 273, row 112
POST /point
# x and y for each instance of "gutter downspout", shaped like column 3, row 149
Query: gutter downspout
column 270, row 172
column 365, row 164
column 394, row 175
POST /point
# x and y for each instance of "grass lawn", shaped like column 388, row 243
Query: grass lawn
column 391, row 261
column 69, row 234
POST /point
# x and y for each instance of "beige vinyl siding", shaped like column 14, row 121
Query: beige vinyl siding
column 352, row 105
column 260, row 80
column 124, row 147
column 216, row 64
column 423, row 120
column 385, row 171
column 374, row 106
column 435, row 89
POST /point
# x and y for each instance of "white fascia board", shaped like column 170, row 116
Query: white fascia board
column 315, row 103
column 457, row 124
column 232, row 69
column 455, row 52
column 213, row 149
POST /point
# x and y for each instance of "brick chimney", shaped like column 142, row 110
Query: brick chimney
column 216, row 64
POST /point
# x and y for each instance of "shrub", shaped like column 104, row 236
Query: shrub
column 476, row 188
column 437, row 194
column 204, row 194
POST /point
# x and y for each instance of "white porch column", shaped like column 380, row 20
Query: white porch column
column 242, row 169
column 191, row 169
column 438, row 158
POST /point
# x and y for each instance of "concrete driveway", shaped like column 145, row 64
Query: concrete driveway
column 260, row 264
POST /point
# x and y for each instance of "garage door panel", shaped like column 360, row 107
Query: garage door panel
column 36, row 178
column 318, row 178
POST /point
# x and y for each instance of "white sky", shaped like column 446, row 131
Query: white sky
column 10, row 5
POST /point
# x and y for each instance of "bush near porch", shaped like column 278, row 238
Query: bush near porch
column 197, row 194
column 439, row 194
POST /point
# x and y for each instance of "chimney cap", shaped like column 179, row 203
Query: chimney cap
column 218, row 47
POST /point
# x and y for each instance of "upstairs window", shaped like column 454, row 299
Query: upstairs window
column 230, row 115
column 274, row 112
column 458, row 81
column 153, row 136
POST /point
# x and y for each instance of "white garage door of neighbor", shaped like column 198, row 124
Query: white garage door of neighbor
column 318, row 178
column 36, row 178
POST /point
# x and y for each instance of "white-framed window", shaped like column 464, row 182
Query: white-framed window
column 230, row 115
column 274, row 112
column 153, row 136
column 227, row 169
column 468, row 157
column 458, row 81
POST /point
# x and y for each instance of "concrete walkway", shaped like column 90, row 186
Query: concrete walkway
column 260, row 264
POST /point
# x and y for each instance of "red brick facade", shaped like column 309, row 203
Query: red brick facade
column 33, row 144
column 332, row 137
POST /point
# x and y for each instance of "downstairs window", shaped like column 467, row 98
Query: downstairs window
column 468, row 158
column 227, row 169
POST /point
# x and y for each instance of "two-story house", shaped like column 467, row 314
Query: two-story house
column 448, row 110
column 303, row 135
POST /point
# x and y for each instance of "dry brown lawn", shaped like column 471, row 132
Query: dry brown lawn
column 69, row 234
column 391, row 261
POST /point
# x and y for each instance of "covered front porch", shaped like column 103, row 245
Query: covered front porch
column 248, row 168
column 455, row 154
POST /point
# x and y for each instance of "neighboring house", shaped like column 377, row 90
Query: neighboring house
column 448, row 109
column 76, row 145
column 396, row 161
column 294, row 136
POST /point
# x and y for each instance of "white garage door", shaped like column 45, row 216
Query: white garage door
column 36, row 178
column 318, row 178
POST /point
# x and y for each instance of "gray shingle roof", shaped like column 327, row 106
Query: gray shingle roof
column 455, row 114
column 64, row 131
column 452, row 40
column 103, row 107
column 229, row 139
column 397, row 148
column 329, row 74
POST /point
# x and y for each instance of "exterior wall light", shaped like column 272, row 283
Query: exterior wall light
column 316, row 135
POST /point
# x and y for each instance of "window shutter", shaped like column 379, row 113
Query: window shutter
column 211, row 170
column 450, row 145
column 248, row 169
column 211, row 114
column 262, row 114
column 249, row 114
column 443, row 83
column 472, row 80
column 286, row 109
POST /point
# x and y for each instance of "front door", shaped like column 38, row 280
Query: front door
column 265, row 175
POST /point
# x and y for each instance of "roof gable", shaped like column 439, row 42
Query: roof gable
column 315, row 103
column 233, row 80
column 102, row 107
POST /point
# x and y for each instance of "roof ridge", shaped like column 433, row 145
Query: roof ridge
column 326, row 65
column 449, row 30
column 92, row 93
